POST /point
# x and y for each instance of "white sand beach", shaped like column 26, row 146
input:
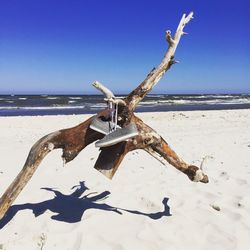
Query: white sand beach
column 146, row 205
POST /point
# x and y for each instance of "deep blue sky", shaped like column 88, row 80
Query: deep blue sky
column 58, row 46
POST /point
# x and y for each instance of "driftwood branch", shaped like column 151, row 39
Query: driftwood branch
column 107, row 92
column 156, row 74
column 150, row 141
column 109, row 96
column 75, row 139
column 71, row 141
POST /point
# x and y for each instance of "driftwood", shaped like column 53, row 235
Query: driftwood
column 73, row 140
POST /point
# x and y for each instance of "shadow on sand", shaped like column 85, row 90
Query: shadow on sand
column 70, row 208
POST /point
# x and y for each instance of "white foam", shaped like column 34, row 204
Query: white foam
column 52, row 98
column 149, row 102
column 8, row 107
column 98, row 105
column 44, row 108
column 75, row 98
column 206, row 102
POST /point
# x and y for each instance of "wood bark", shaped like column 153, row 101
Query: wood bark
column 75, row 139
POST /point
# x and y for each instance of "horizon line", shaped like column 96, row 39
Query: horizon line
column 119, row 94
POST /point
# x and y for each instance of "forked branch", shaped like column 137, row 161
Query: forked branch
column 73, row 140
column 156, row 74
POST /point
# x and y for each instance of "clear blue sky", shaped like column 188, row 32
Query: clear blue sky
column 58, row 46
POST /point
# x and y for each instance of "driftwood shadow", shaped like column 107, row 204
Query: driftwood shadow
column 70, row 208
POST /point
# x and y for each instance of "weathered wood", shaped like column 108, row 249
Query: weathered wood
column 154, row 144
column 73, row 140
column 150, row 141
column 108, row 94
column 157, row 73
column 110, row 159
column 162, row 152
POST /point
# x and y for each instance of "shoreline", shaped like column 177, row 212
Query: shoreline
column 90, row 104
column 182, row 108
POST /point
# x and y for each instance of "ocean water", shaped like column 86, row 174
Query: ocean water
column 21, row 105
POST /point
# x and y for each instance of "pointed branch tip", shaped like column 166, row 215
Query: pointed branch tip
column 169, row 39
column 108, row 93
column 190, row 15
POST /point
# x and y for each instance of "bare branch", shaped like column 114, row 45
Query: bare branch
column 110, row 97
column 71, row 140
column 153, row 78
column 108, row 93
column 36, row 155
column 184, row 20
column 169, row 39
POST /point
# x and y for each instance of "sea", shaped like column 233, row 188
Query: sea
column 33, row 105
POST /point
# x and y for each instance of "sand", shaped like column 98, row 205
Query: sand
column 146, row 205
